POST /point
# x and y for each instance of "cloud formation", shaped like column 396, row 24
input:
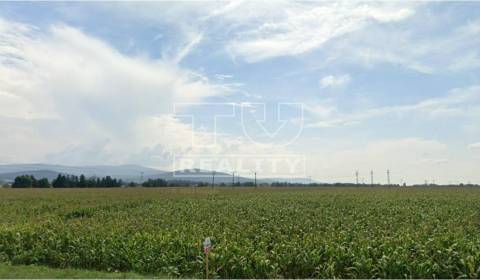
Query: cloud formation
column 334, row 81
column 66, row 89
column 453, row 50
column 410, row 160
column 67, row 97
column 80, row 94
column 302, row 27
column 474, row 146
column 457, row 103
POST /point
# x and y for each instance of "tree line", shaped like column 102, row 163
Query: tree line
column 29, row 181
column 66, row 181
column 72, row 181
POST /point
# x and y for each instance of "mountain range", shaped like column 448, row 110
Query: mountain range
column 128, row 173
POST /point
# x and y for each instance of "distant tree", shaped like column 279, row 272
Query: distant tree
column 91, row 182
column 72, row 181
column 82, row 182
column 60, row 181
column 108, row 182
column 24, row 181
column 155, row 183
column 42, row 183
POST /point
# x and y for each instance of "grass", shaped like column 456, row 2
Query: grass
column 8, row 271
column 256, row 233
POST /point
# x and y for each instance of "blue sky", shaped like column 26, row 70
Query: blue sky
column 381, row 85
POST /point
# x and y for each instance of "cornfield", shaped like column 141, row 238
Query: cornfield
column 256, row 233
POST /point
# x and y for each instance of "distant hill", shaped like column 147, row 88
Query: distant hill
column 291, row 180
column 128, row 172
column 197, row 175
column 205, row 176
column 10, row 177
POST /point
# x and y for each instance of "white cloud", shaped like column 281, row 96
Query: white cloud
column 474, row 146
column 67, row 97
column 296, row 28
column 188, row 47
column 255, row 31
column 455, row 49
column 335, row 81
column 361, row 33
column 67, row 91
column 457, row 103
column 223, row 76
column 409, row 159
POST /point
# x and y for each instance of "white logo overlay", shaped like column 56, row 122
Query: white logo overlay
column 256, row 127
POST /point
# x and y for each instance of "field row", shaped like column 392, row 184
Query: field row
column 267, row 233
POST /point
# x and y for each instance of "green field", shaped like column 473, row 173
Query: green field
column 41, row 272
column 257, row 233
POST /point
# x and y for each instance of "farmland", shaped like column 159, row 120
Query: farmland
column 256, row 233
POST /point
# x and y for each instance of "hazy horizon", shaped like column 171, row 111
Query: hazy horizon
column 320, row 89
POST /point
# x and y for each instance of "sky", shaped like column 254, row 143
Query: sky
column 285, row 89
